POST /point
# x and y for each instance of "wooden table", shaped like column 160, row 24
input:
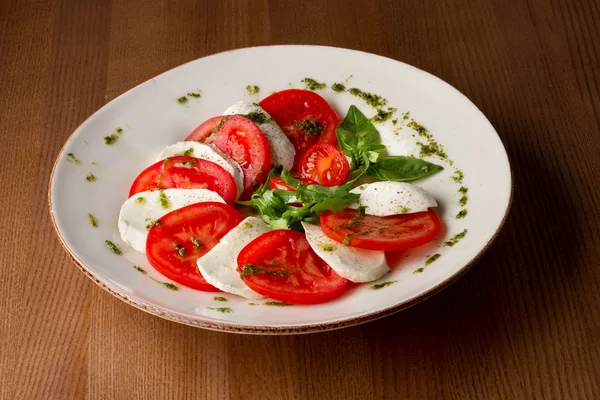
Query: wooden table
column 524, row 323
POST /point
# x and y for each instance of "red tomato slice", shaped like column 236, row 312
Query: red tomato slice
column 240, row 139
column 182, row 236
column 395, row 232
column 281, row 265
column 277, row 182
column 204, row 130
column 324, row 165
column 304, row 116
column 186, row 173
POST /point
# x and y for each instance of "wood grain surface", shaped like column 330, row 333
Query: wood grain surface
column 523, row 324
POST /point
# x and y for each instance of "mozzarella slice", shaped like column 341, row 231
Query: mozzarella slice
column 219, row 265
column 141, row 210
column 356, row 265
column 282, row 150
column 390, row 198
column 207, row 152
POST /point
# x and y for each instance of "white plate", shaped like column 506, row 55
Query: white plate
column 152, row 119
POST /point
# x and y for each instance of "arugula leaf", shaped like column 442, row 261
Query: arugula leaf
column 402, row 168
column 360, row 140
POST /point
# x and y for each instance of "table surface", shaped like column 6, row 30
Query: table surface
column 524, row 323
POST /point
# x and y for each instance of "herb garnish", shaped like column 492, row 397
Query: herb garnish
column 311, row 84
column 113, row 247
column 378, row 286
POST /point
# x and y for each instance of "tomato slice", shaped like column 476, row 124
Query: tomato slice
column 304, row 116
column 277, row 182
column 324, row 165
column 391, row 233
column 186, row 173
column 186, row 234
column 240, row 139
column 204, row 130
column 281, row 265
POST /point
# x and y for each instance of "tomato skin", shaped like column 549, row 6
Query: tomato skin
column 277, row 182
column 242, row 140
column 205, row 130
column 290, row 270
column 186, row 172
column 324, row 165
column 289, row 108
column 391, row 233
column 206, row 222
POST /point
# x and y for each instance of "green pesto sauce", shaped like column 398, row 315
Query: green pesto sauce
column 189, row 152
column 90, row 178
column 458, row 176
column 382, row 115
column 455, row 239
column 349, row 236
column 371, row 99
column 168, row 285
column 163, row 200
column 94, row 163
column 225, row 310
column 179, row 249
column 463, row 201
column 418, row 270
column 379, row 286
column 119, row 130
column 93, row 220
column 247, row 225
column 250, row 270
column 463, row 190
column 140, row 269
column 338, row 87
column 277, row 304
column 182, row 100
column 111, row 139
column 113, row 247
column 197, row 244
column 195, row 95
column 394, row 121
column 71, row 158
column 432, row 259
column 404, row 210
column 461, row 214
column 311, row 84
column 327, row 247
column 220, row 298
column 252, row 89
column 406, row 116
column 309, row 126
column 140, row 200
column 257, row 117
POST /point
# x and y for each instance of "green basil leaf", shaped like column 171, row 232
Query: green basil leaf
column 402, row 168
column 357, row 136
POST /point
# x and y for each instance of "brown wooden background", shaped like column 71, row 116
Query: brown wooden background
column 524, row 323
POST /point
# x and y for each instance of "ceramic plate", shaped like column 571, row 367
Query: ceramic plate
column 151, row 118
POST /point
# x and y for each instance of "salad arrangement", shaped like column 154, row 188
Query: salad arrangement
column 266, row 200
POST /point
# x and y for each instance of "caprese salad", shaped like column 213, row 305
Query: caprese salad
column 265, row 201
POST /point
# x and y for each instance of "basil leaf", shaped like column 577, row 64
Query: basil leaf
column 358, row 137
column 402, row 168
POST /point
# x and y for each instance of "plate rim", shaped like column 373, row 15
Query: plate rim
column 285, row 329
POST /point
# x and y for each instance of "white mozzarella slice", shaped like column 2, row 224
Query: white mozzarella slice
column 390, row 198
column 282, row 150
column 207, row 152
column 141, row 210
column 219, row 265
column 356, row 265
